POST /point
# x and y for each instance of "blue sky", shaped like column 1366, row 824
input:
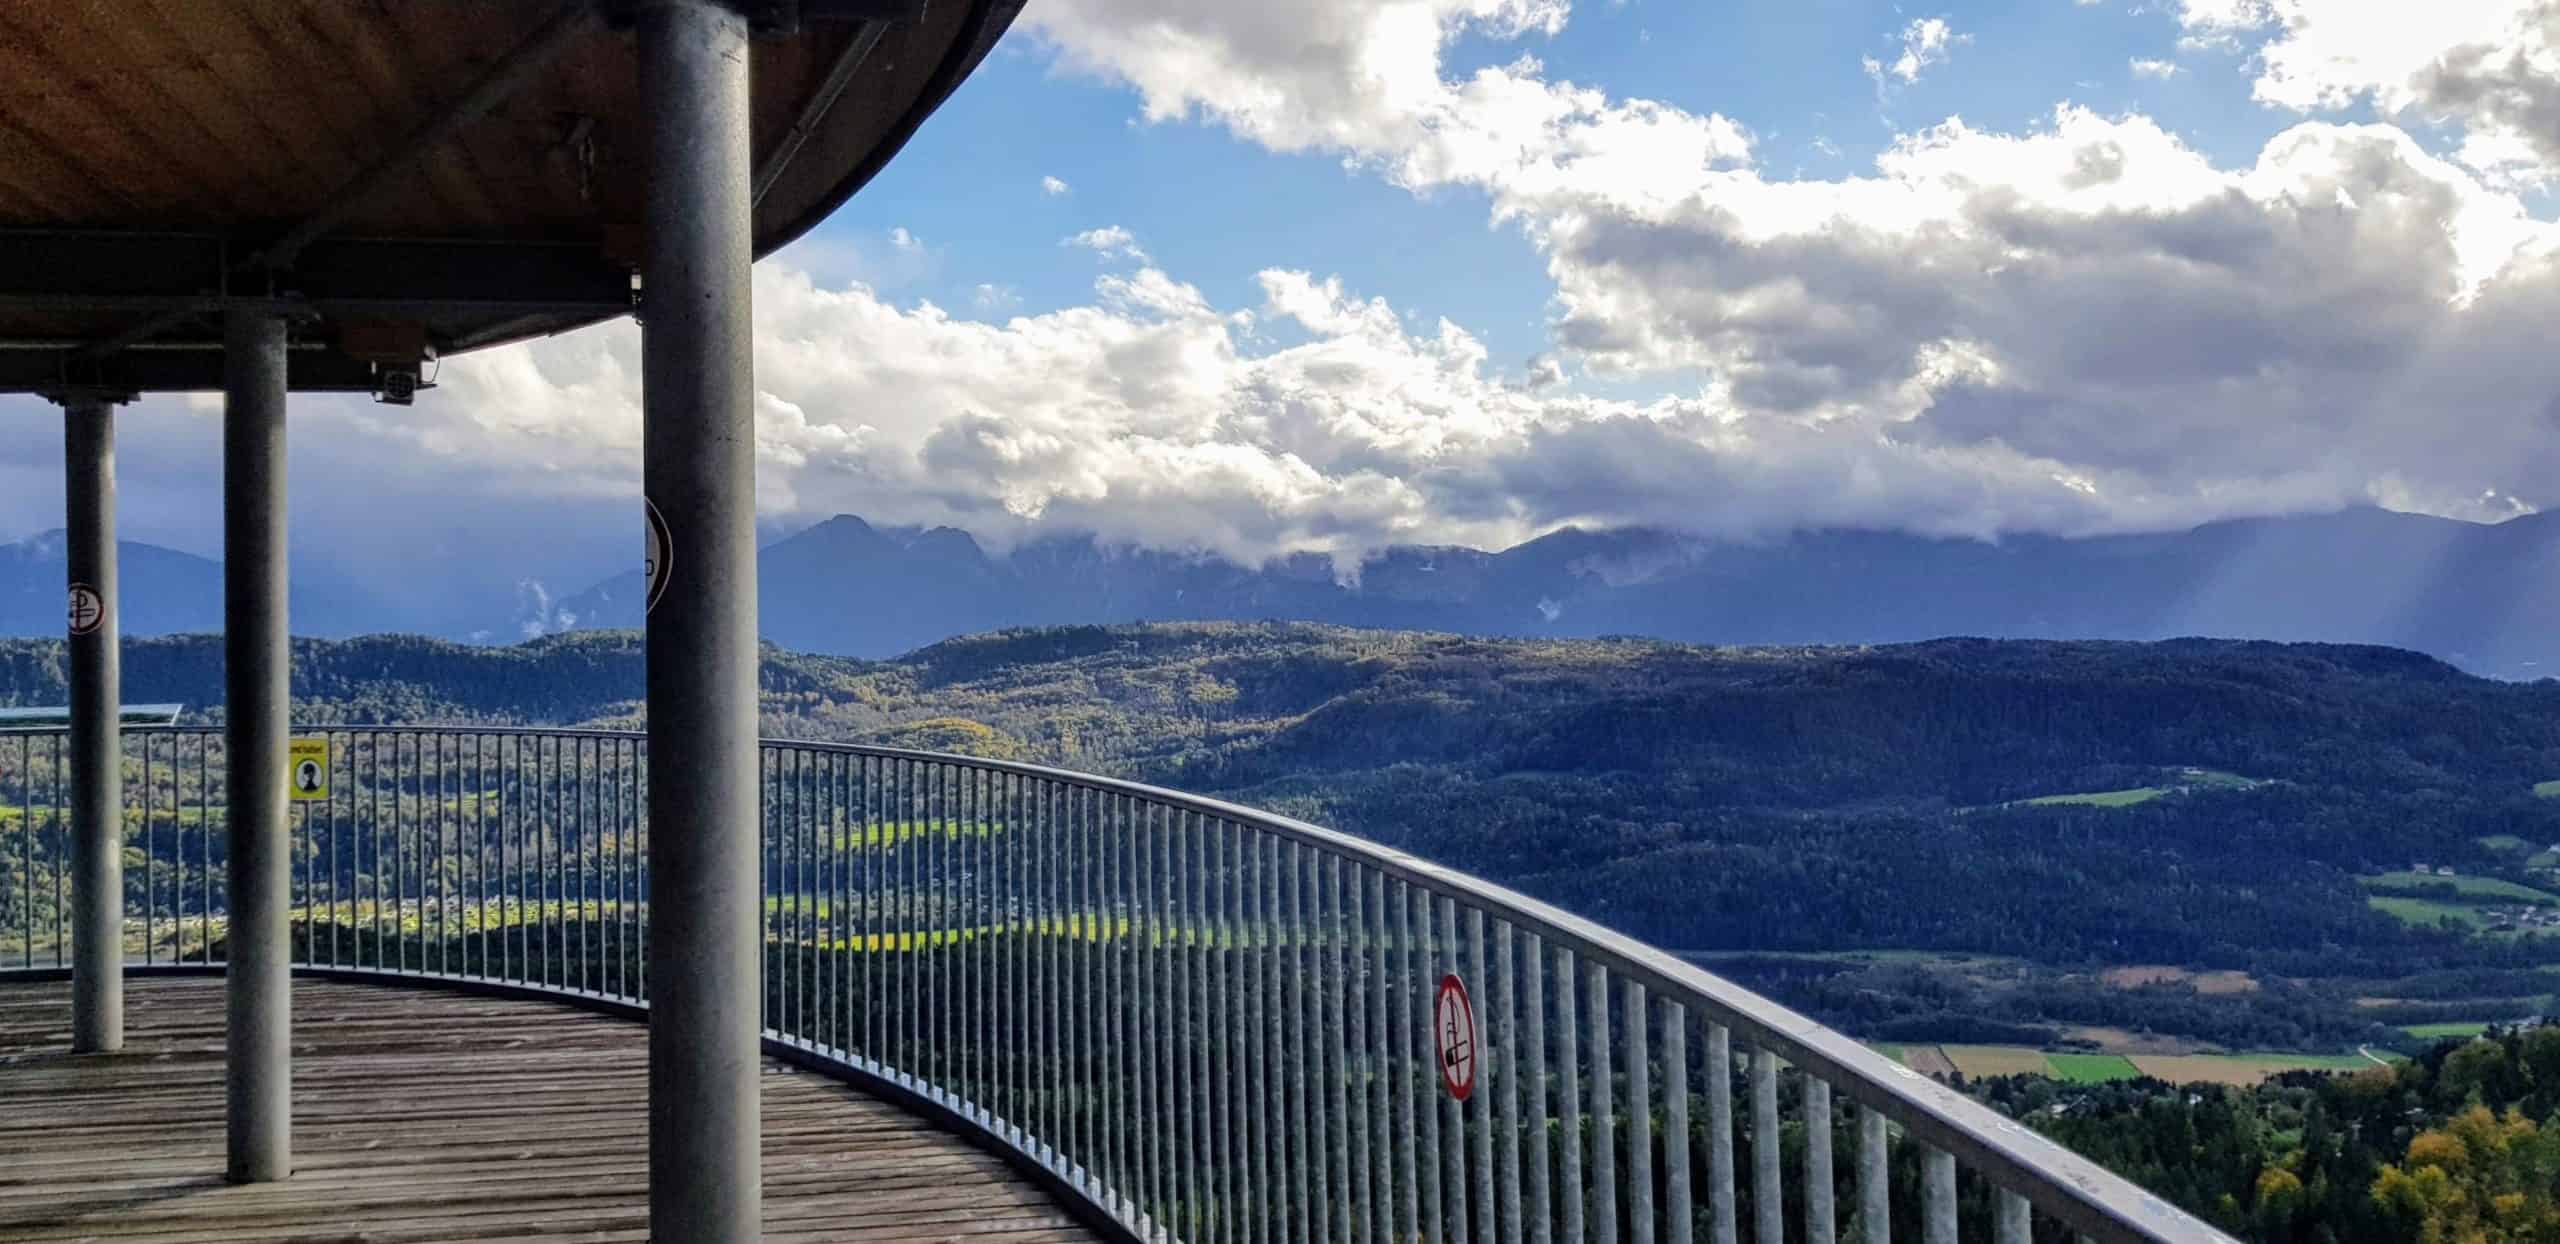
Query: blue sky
column 1218, row 210
column 1339, row 274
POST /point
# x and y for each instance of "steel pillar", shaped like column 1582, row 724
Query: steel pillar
column 97, row 754
column 698, row 472
column 256, row 684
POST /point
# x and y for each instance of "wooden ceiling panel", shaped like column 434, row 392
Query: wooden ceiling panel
column 237, row 121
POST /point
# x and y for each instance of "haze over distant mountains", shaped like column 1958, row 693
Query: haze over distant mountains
column 2486, row 597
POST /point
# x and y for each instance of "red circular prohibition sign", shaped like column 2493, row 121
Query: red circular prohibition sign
column 1453, row 1023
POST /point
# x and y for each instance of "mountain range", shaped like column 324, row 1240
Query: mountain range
column 2483, row 596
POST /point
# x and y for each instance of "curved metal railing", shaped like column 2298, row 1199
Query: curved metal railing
column 1208, row 1022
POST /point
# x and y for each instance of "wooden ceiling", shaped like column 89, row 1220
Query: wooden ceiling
column 225, row 128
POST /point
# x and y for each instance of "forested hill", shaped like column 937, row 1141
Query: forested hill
column 1766, row 798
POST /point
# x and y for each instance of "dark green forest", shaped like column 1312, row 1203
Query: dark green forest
column 1796, row 800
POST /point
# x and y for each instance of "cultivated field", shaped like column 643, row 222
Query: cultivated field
column 1981, row 1061
column 2228, row 981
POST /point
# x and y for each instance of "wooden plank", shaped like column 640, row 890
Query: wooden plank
column 428, row 1116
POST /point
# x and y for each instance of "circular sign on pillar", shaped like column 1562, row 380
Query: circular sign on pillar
column 1453, row 1024
column 660, row 557
column 88, row 609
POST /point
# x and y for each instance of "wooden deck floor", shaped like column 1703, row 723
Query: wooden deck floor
column 426, row 1115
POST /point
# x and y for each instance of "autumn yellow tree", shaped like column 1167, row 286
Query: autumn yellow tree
column 2479, row 1179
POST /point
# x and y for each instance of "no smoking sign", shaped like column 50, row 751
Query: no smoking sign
column 1453, row 1024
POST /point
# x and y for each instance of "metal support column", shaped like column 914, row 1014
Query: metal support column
column 97, row 755
column 698, row 472
column 256, row 680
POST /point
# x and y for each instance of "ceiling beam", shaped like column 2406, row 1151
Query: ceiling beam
column 171, row 274
column 170, row 371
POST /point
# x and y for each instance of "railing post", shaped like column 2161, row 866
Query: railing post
column 1720, row 1178
column 1937, row 1197
column 1875, row 1205
column 257, row 684
column 1818, row 1217
column 1768, row 1193
column 698, row 472
column 97, row 752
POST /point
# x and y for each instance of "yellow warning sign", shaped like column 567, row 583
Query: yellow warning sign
column 307, row 769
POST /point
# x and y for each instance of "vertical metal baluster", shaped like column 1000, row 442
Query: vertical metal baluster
column 1254, row 945
column 538, row 844
column 1937, row 1196
column 590, row 880
column 1422, row 960
column 1067, row 992
column 773, row 884
column 204, row 838
column 1001, row 1001
column 1197, row 1024
column 1277, row 1148
column 448, row 828
column 150, row 861
column 1306, row 1175
column 1604, row 1121
column 1102, row 1084
column 1453, row 1120
column 1533, row 996
column 508, row 746
column 1568, row 1100
column 890, row 865
column 1479, row 1106
column 1379, row 1052
column 897, row 972
column 1132, row 1067
column 1639, row 1024
column 982, row 924
column 1085, row 1137
column 1335, row 991
column 856, row 920
column 866, row 790
column 443, row 828
column 1171, row 1094
column 1875, row 1187
column 1506, row 1080
column 966, row 948
column 61, row 859
column 1149, row 1078
column 1402, row 1001
column 917, row 982
column 546, row 851
column 27, row 849
column 1234, row 1194
column 480, row 810
column 2011, row 1223
column 1109, row 1083
column 1307, row 1002
column 640, row 847
column 1819, row 1223
column 1720, row 1177
column 1679, row 1206
column 374, row 834
column 1177, row 1114
column 1061, row 1066
column 1768, row 1194
column 1360, row 1063
column 944, row 1004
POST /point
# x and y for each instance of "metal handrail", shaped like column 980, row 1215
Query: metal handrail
column 920, row 900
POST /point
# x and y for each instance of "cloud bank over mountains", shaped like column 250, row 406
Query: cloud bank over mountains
column 2086, row 326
